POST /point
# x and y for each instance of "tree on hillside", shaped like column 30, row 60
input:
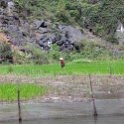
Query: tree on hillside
column 103, row 17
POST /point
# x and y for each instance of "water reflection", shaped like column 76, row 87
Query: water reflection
column 110, row 111
column 74, row 120
column 95, row 120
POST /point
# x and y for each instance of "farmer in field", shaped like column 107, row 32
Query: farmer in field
column 62, row 62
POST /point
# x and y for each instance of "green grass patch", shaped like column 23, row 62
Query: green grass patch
column 81, row 61
column 98, row 67
column 9, row 91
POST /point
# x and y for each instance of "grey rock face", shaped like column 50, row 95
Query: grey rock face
column 14, row 41
column 71, row 32
column 39, row 33
column 3, row 3
column 39, row 24
column 43, row 30
column 117, row 52
column 120, row 33
column 11, row 5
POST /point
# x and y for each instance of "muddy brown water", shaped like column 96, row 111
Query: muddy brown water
column 110, row 111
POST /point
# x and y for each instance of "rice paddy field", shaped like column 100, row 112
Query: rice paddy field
column 99, row 67
column 8, row 91
column 52, row 80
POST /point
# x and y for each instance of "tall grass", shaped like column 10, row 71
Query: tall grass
column 99, row 67
column 8, row 91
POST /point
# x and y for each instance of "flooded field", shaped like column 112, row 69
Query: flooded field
column 110, row 111
column 74, row 120
column 69, row 102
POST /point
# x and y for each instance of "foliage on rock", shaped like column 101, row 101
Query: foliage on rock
column 6, row 54
column 100, row 15
column 103, row 17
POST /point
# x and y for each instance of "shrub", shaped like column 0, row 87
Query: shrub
column 54, row 53
column 112, row 39
column 35, row 55
column 6, row 54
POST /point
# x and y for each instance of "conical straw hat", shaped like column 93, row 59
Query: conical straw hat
column 61, row 58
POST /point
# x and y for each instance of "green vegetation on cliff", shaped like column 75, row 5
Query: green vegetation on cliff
column 101, row 15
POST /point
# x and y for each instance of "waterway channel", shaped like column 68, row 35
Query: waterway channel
column 110, row 111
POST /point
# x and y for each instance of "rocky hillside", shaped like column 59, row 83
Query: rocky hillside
column 99, row 16
column 68, row 24
column 21, row 32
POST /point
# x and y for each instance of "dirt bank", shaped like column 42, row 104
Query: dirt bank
column 73, row 88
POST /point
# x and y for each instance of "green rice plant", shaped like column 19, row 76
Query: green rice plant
column 8, row 91
column 10, row 69
column 81, row 61
column 77, row 68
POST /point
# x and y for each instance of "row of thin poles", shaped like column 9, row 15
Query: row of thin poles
column 92, row 96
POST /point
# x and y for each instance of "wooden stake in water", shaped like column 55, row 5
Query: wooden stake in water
column 94, row 106
column 19, row 104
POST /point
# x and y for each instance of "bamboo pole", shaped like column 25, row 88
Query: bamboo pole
column 93, row 100
column 19, row 104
